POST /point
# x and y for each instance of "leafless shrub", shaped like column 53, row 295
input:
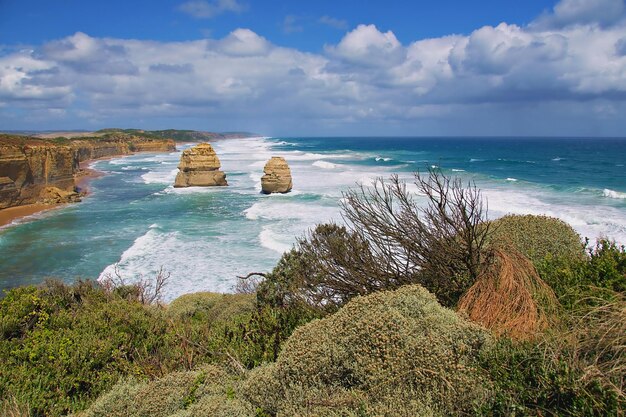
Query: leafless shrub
column 144, row 290
column 390, row 241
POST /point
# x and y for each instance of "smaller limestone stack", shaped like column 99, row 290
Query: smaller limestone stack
column 277, row 178
column 199, row 167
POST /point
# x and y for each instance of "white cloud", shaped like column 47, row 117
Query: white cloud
column 572, row 12
column 203, row 9
column 569, row 77
column 333, row 22
column 366, row 45
column 244, row 42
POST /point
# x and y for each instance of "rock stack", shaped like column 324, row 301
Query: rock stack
column 199, row 167
column 277, row 178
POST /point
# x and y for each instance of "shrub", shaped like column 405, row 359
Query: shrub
column 600, row 275
column 538, row 237
column 398, row 347
column 390, row 240
column 62, row 346
column 212, row 307
column 539, row 379
column 208, row 391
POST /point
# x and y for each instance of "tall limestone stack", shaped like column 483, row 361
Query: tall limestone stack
column 277, row 178
column 199, row 167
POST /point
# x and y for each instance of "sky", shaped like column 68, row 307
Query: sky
column 322, row 68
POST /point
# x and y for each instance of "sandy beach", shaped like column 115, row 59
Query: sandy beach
column 11, row 214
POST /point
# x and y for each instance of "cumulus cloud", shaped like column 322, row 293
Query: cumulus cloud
column 496, row 78
column 581, row 12
column 203, row 9
column 366, row 45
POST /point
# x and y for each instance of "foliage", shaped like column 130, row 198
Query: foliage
column 600, row 275
column 398, row 347
column 538, row 237
column 61, row 346
column 208, row 391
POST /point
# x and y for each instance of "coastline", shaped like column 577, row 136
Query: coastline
column 11, row 214
column 81, row 182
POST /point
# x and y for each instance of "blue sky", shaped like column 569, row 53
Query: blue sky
column 449, row 67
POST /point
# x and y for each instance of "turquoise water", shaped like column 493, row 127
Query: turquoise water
column 204, row 237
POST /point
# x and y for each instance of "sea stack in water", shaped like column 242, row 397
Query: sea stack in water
column 199, row 167
column 277, row 178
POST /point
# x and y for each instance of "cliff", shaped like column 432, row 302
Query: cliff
column 118, row 144
column 199, row 167
column 29, row 166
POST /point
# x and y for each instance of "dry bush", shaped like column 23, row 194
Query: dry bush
column 145, row 290
column 392, row 348
column 509, row 298
column 390, row 239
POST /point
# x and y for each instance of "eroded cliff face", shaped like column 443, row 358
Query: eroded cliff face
column 33, row 170
column 25, row 171
column 119, row 145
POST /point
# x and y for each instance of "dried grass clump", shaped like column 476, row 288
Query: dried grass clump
column 537, row 237
column 600, row 342
column 509, row 298
column 11, row 407
column 397, row 350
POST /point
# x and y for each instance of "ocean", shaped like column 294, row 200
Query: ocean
column 134, row 222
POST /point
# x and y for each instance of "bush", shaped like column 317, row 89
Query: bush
column 539, row 378
column 208, row 391
column 600, row 275
column 388, row 348
column 538, row 237
column 60, row 347
column 212, row 307
column 63, row 345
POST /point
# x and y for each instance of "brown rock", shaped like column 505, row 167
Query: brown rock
column 54, row 195
column 199, row 167
column 9, row 193
column 277, row 178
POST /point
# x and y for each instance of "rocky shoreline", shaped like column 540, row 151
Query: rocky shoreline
column 39, row 174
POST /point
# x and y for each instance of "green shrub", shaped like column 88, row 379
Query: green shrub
column 538, row 237
column 601, row 274
column 211, row 306
column 540, row 378
column 377, row 350
column 60, row 347
column 208, row 391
